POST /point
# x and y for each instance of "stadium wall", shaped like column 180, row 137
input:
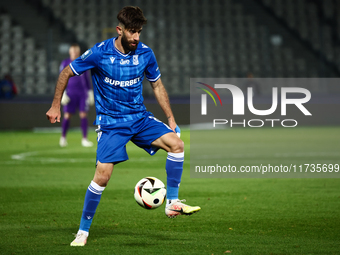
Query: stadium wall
column 29, row 115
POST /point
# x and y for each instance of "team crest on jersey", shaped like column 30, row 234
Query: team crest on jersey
column 135, row 60
column 86, row 54
column 112, row 59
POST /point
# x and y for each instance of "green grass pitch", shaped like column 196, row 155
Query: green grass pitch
column 42, row 189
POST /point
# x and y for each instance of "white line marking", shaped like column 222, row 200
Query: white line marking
column 37, row 156
column 275, row 155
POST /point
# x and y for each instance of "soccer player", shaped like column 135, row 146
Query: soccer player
column 79, row 95
column 118, row 66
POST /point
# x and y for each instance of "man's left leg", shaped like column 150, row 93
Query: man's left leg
column 174, row 168
column 83, row 124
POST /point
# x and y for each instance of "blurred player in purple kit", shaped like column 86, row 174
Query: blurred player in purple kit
column 78, row 95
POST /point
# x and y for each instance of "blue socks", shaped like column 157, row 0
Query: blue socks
column 174, row 169
column 92, row 198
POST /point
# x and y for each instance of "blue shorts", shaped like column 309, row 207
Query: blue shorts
column 112, row 139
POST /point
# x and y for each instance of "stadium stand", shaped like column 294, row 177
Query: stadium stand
column 314, row 22
column 22, row 58
column 220, row 38
column 30, row 38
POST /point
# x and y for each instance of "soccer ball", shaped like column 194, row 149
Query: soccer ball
column 150, row 192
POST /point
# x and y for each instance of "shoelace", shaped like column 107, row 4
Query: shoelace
column 178, row 200
column 77, row 235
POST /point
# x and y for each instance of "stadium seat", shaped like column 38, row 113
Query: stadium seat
column 190, row 38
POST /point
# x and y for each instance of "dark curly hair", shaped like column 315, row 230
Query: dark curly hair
column 131, row 17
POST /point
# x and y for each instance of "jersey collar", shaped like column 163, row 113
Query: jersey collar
column 114, row 46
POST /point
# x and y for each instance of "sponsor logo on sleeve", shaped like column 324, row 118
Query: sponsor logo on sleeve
column 86, row 54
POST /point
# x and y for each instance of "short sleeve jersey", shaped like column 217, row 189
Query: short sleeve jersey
column 117, row 80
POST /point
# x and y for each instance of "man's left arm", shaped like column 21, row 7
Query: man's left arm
column 163, row 100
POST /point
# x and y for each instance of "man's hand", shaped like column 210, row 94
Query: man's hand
column 172, row 123
column 53, row 114
column 178, row 131
column 174, row 126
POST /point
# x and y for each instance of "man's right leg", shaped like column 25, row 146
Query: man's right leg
column 64, row 128
column 92, row 198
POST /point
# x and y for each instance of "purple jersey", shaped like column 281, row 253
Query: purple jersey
column 77, row 84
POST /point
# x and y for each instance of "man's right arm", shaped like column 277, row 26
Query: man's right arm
column 53, row 114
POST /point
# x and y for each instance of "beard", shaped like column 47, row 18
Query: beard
column 127, row 45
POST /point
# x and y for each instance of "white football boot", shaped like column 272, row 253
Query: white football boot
column 81, row 238
column 86, row 143
column 62, row 142
column 176, row 207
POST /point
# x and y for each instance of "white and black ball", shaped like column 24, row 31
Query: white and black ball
column 150, row 192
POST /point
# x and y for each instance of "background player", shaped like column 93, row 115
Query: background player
column 118, row 66
column 79, row 95
column 8, row 89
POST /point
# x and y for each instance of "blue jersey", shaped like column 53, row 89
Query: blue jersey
column 117, row 80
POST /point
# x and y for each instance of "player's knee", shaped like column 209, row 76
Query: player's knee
column 102, row 179
column 177, row 146
column 103, row 174
column 82, row 115
column 67, row 115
